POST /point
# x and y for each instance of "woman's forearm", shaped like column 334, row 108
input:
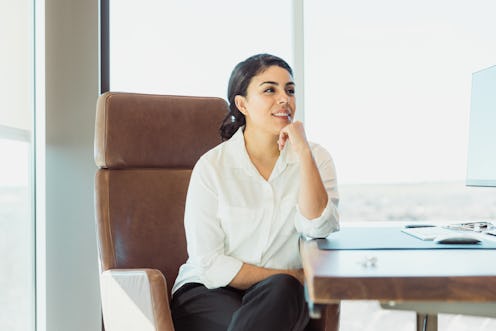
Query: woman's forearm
column 313, row 197
column 250, row 274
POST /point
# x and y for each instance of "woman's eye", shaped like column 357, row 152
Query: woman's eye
column 291, row 91
column 269, row 90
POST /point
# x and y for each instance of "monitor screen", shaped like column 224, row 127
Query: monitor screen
column 481, row 159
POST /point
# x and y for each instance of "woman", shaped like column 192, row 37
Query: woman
column 248, row 201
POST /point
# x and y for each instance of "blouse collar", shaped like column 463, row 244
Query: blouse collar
column 236, row 147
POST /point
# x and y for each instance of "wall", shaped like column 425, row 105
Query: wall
column 72, row 85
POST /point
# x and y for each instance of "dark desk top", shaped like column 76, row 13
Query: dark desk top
column 399, row 275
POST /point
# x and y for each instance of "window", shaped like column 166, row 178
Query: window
column 17, row 278
column 387, row 87
column 388, row 93
column 190, row 47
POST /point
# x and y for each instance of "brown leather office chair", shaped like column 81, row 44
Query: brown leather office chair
column 146, row 147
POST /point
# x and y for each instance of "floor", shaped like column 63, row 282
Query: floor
column 369, row 316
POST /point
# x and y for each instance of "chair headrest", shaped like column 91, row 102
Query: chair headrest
column 154, row 131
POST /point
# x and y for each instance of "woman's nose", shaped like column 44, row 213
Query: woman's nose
column 283, row 99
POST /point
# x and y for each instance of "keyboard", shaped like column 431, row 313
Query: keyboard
column 491, row 232
column 428, row 233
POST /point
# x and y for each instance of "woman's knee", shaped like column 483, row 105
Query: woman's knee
column 199, row 308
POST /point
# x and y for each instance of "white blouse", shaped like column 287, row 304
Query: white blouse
column 233, row 215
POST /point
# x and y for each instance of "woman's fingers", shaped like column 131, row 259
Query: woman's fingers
column 283, row 137
column 295, row 132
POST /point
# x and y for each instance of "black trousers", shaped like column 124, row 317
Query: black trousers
column 274, row 304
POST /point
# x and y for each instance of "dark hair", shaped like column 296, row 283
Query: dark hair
column 238, row 84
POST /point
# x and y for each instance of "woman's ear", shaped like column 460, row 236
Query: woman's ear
column 240, row 102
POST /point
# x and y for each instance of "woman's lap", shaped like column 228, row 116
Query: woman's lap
column 277, row 303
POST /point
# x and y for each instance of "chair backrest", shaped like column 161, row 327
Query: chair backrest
column 145, row 148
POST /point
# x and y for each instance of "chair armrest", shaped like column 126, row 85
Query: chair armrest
column 135, row 299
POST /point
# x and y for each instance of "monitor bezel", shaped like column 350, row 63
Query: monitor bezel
column 476, row 182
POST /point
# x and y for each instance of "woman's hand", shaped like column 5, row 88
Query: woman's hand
column 250, row 274
column 295, row 133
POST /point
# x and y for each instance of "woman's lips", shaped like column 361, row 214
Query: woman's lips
column 285, row 115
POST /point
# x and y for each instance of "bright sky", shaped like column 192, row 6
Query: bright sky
column 191, row 46
column 387, row 82
column 388, row 85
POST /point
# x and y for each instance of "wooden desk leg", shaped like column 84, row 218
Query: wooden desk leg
column 426, row 322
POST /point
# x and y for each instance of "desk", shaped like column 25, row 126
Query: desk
column 398, row 275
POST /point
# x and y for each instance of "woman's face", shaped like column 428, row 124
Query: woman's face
column 269, row 104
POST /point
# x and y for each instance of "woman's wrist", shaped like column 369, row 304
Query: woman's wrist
column 304, row 151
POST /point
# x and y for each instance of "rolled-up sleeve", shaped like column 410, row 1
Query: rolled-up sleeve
column 204, row 233
column 328, row 221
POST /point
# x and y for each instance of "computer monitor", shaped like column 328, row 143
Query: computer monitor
column 481, row 160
